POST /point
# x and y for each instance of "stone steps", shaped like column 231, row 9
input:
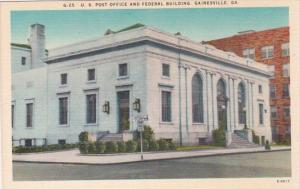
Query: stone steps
column 239, row 142
column 114, row 137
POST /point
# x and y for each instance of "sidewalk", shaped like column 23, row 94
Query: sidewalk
column 73, row 156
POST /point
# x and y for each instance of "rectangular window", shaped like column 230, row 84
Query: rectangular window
column 12, row 115
column 91, row 75
column 261, row 114
column 272, row 91
column 63, row 111
column 286, row 90
column 267, row 52
column 285, row 49
column 273, row 112
column 61, row 141
column 91, row 108
column 28, row 142
column 260, row 89
column 166, row 106
column 286, row 111
column 286, row 70
column 63, row 79
column 166, row 70
column 29, row 114
column 23, row 60
column 123, row 70
column 249, row 53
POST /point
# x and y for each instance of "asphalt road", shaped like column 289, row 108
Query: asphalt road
column 267, row 164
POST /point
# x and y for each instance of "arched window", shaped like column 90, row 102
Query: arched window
column 197, row 99
column 222, row 104
column 221, row 89
column 242, row 103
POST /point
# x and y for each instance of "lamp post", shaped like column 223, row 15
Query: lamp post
column 137, row 105
column 105, row 107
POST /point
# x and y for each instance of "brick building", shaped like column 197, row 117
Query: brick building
column 269, row 47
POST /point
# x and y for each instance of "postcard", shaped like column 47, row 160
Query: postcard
column 150, row 93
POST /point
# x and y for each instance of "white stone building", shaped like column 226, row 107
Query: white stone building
column 187, row 89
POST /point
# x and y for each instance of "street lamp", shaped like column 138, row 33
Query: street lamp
column 137, row 105
column 105, row 107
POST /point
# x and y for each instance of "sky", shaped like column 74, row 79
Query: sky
column 63, row 27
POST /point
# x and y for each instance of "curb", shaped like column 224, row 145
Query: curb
column 148, row 160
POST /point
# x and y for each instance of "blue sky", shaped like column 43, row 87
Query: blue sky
column 64, row 27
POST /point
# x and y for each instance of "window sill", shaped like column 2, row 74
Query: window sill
column 166, row 77
column 91, row 125
column 29, row 127
column 123, row 77
column 63, row 86
column 67, row 125
column 267, row 58
column 91, row 82
column 198, row 124
column 166, row 123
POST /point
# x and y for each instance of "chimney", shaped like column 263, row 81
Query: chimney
column 37, row 42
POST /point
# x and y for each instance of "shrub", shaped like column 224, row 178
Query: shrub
column 267, row 145
column 83, row 136
column 219, row 137
column 153, row 145
column 131, row 146
column 121, row 146
column 92, row 148
column 126, row 125
column 111, row 147
column 52, row 147
column 145, row 146
column 255, row 138
column 163, row 145
column 172, row 145
column 100, row 147
column 83, row 147
column 148, row 133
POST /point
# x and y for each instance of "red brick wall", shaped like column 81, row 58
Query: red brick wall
column 257, row 40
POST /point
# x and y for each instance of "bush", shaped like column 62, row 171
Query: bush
column 255, row 138
column 163, row 145
column 83, row 147
column 92, row 148
column 267, row 145
column 219, row 138
column 153, row 145
column 100, row 147
column 148, row 133
column 111, row 147
column 83, row 136
column 52, row 147
column 131, row 146
column 145, row 146
column 172, row 145
column 121, row 146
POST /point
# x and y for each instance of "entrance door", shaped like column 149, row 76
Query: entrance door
column 222, row 105
column 123, row 110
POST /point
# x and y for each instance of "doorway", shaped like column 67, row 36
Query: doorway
column 222, row 105
column 123, row 110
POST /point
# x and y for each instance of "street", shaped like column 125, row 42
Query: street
column 266, row 164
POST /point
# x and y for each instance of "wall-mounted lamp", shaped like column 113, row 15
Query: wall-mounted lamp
column 137, row 105
column 265, row 110
column 105, row 107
